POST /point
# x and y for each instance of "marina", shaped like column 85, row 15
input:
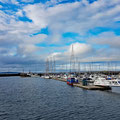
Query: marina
column 87, row 75
column 88, row 86
column 59, row 60
column 86, row 81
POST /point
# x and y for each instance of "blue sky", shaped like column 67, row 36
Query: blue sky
column 33, row 30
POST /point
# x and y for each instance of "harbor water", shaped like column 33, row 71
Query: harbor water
column 44, row 99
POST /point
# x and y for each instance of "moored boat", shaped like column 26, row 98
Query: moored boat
column 70, row 81
column 107, row 81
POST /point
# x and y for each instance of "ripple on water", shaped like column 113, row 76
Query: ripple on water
column 41, row 99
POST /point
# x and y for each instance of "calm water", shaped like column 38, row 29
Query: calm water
column 41, row 99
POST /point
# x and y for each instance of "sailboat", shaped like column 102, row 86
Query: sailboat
column 71, row 78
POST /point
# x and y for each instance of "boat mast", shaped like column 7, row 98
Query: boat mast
column 47, row 66
column 72, row 61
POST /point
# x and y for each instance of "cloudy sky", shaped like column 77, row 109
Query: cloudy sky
column 32, row 30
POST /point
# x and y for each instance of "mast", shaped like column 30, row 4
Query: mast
column 72, row 61
column 54, row 62
column 79, row 69
column 47, row 66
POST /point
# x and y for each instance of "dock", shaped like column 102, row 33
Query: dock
column 88, row 87
column 92, row 87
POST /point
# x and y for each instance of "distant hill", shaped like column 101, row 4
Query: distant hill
column 9, row 72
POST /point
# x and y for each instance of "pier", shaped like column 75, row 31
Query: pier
column 88, row 87
column 92, row 87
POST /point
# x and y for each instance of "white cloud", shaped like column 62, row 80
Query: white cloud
column 73, row 17
column 27, row 1
column 106, row 38
column 1, row 6
column 37, row 14
column 17, row 34
column 14, row 2
column 78, row 17
column 4, row 1
column 19, row 13
column 80, row 50
column 8, row 51
column 26, row 49
column 9, row 1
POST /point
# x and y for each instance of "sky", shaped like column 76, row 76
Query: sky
column 33, row 30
